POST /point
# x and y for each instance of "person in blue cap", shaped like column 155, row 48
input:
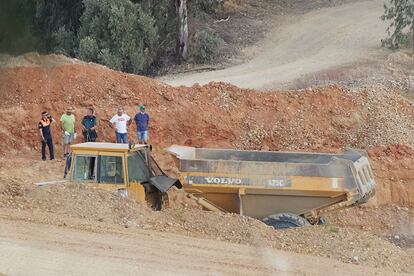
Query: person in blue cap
column 142, row 120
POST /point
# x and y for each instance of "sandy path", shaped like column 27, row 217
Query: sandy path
column 27, row 248
column 321, row 39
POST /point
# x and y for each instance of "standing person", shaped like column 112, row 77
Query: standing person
column 142, row 119
column 89, row 125
column 120, row 122
column 46, row 135
column 67, row 124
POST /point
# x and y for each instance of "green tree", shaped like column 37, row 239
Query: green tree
column 163, row 12
column 207, row 6
column 64, row 41
column 125, row 37
column 88, row 49
column 208, row 47
column 16, row 19
column 57, row 23
column 401, row 29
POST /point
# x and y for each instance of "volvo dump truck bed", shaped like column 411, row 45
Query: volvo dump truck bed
column 263, row 183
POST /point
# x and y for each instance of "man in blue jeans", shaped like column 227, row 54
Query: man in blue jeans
column 120, row 122
column 142, row 119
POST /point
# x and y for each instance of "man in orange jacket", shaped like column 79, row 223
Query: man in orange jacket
column 46, row 135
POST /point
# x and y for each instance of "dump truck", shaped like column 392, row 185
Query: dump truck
column 126, row 169
column 283, row 189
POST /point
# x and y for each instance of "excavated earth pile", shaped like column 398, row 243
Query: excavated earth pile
column 103, row 212
column 326, row 119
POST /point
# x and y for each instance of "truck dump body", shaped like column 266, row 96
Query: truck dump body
column 261, row 183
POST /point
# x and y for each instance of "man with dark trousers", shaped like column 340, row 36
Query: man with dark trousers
column 46, row 135
column 89, row 125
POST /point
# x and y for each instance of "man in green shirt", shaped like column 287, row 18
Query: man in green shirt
column 67, row 124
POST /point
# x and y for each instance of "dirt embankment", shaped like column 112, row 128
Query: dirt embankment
column 216, row 115
column 219, row 115
column 370, row 237
column 394, row 172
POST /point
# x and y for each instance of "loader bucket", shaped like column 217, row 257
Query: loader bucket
column 163, row 183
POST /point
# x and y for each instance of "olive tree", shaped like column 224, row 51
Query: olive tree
column 118, row 34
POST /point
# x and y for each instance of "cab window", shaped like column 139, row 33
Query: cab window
column 111, row 170
column 137, row 167
column 85, row 168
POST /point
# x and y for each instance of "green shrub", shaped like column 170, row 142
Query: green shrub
column 208, row 6
column 110, row 60
column 208, row 47
column 125, row 36
column 16, row 34
column 88, row 49
column 401, row 29
column 64, row 41
column 398, row 40
column 56, row 24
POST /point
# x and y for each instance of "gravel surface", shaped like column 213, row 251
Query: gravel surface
column 98, row 210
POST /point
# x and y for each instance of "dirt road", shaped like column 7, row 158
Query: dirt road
column 320, row 40
column 27, row 248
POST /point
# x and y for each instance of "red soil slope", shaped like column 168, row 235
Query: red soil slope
column 219, row 115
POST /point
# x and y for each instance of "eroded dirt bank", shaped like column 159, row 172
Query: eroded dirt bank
column 219, row 115
column 329, row 119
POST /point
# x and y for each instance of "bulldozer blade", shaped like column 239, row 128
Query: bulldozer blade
column 163, row 183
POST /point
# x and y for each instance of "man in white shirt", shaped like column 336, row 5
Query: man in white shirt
column 120, row 122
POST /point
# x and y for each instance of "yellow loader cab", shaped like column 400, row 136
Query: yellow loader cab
column 125, row 169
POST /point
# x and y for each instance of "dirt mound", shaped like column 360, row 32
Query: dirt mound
column 346, row 244
column 76, row 202
column 12, row 189
column 216, row 115
column 101, row 211
column 72, row 202
column 36, row 60
column 387, row 220
column 393, row 167
column 98, row 210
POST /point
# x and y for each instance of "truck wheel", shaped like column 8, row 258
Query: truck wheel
column 285, row 220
